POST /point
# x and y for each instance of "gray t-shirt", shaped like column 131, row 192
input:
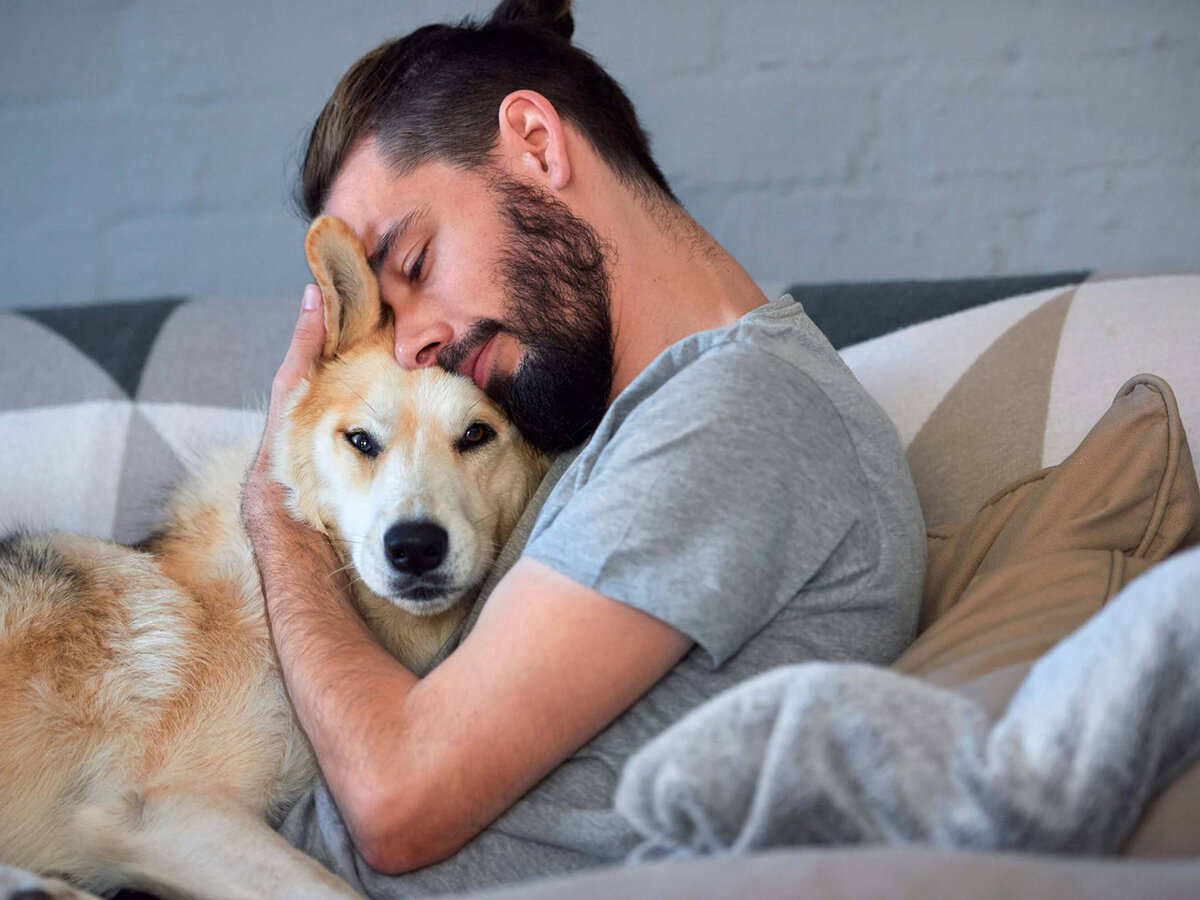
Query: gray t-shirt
column 744, row 489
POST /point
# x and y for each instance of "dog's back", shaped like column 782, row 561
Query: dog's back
column 124, row 685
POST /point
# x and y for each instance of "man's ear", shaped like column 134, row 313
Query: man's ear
column 348, row 285
column 531, row 133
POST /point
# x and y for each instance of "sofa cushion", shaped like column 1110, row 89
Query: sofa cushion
column 851, row 312
column 103, row 407
column 1168, row 826
column 984, row 397
column 1048, row 551
column 838, row 873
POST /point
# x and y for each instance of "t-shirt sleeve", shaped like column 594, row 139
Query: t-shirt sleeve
column 716, row 501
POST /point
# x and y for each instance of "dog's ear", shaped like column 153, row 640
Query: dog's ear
column 348, row 285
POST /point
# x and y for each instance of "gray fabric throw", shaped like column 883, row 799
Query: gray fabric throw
column 823, row 753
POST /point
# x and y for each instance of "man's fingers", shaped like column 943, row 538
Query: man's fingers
column 308, row 339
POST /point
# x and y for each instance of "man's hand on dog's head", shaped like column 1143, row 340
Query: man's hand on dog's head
column 261, row 496
column 307, row 341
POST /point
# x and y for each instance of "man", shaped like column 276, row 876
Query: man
column 740, row 504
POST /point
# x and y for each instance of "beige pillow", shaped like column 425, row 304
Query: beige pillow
column 1047, row 552
column 1168, row 826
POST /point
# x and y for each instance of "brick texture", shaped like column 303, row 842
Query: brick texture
column 148, row 146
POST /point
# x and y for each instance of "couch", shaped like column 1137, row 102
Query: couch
column 102, row 406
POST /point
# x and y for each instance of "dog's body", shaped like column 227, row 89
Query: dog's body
column 145, row 735
column 134, row 682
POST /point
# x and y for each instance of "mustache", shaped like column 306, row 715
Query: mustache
column 452, row 356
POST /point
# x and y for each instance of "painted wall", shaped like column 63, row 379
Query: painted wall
column 147, row 146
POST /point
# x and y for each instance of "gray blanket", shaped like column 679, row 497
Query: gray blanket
column 835, row 753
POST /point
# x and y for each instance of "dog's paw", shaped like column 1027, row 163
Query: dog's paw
column 17, row 884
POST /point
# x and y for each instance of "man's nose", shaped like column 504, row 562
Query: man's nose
column 418, row 349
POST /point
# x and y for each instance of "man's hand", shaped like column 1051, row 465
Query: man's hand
column 262, row 497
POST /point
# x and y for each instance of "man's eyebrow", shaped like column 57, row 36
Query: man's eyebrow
column 394, row 233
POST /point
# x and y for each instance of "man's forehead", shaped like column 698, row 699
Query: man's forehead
column 370, row 197
column 373, row 198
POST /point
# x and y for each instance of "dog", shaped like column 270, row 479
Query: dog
column 146, row 739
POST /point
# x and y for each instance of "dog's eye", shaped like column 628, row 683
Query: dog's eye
column 363, row 443
column 477, row 435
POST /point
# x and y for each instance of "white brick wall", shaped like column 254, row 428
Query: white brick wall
column 147, row 146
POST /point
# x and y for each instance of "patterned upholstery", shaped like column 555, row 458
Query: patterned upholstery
column 985, row 396
column 101, row 407
column 850, row 312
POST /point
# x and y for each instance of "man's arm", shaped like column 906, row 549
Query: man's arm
column 419, row 766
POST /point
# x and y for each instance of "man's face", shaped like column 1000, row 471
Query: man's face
column 492, row 278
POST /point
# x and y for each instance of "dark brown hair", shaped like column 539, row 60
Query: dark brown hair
column 435, row 94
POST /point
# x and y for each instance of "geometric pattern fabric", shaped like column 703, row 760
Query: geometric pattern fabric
column 969, row 414
column 101, row 410
column 103, row 407
column 850, row 313
column 117, row 336
column 1043, row 370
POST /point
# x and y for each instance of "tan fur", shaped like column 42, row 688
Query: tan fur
column 145, row 735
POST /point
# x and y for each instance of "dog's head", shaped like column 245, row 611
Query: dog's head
column 416, row 476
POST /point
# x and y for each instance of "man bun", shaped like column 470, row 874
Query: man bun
column 547, row 15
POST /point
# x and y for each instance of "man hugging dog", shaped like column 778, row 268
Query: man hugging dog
column 728, row 499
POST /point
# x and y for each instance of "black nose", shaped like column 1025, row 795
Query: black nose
column 416, row 547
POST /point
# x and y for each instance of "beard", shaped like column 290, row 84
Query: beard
column 554, row 275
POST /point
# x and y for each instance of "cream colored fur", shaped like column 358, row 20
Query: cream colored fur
column 145, row 735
